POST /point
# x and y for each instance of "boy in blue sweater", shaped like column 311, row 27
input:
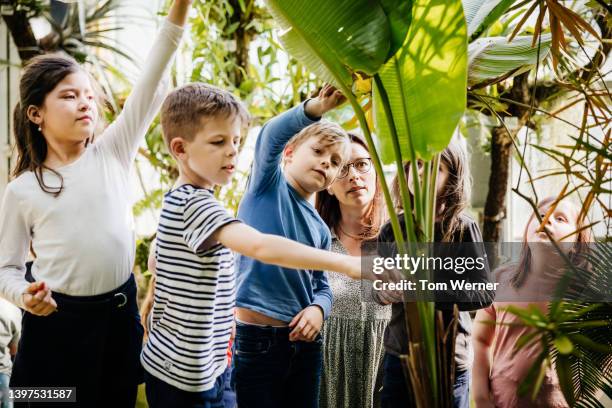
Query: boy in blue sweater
column 277, row 360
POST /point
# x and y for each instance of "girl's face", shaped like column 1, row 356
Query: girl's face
column 560, row 224
column 357, row 188
column 440, row 181
column 69, row 112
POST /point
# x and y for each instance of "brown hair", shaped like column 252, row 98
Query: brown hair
column 328, row 205
column 40, row 76
column 524, row 265
column 457, row 191
column 185, row 107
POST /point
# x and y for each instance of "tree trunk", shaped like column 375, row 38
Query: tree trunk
column 501, row 152
column 19, row 26
column 495, row 206
column 242, row 39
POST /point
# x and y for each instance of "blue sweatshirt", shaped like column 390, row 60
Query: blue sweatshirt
column 272, row 206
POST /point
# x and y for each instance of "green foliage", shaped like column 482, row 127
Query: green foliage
column 576, row 337
column 433, row 59
column 335, row 39
column 481, row 14
column 143, row 246
column 494, row 58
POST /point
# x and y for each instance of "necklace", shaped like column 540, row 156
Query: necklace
column 355, row 237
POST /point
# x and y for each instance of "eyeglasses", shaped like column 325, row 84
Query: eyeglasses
column 360, row 165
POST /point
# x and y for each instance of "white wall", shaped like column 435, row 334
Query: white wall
column 8, row 97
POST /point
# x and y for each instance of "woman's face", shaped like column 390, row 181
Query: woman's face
column 357, row 188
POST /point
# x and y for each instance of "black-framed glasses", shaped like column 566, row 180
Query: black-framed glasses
column 360, row 165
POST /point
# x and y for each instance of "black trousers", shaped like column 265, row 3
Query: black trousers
column 92, row 343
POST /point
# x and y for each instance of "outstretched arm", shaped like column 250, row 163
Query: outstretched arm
column 273, row 249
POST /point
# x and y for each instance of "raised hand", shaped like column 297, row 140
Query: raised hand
column 37, row 299
column 329, row 98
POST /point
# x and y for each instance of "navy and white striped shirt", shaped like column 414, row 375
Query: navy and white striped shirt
column 192, row 315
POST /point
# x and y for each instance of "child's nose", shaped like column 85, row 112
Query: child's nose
column 233, row 149
column 84, row 105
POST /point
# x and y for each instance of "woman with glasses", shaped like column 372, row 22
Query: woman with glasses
column 353, row 349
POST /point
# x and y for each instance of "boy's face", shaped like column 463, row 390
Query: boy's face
column 210, row 158
column 313, row 165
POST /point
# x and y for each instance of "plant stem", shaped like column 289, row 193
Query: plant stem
column 401, row 175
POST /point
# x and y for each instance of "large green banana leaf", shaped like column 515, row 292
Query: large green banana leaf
column 480, row 14
column 336, row 38
column 494, row 57
column 425, row 81
column 399, row 14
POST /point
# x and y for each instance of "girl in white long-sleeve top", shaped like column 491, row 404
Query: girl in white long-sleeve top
column 70, row 200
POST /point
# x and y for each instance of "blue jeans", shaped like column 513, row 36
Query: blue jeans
column 271, row 371
column 4, row 388
column 229, row 395
column 162, row 395
column 395, row 393
column 461, row 389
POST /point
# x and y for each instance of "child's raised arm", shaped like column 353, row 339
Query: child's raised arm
column 124, row 135
column 178, row 12
column 275, row 134
column 273, row 249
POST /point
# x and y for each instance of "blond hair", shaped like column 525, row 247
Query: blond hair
column 328, row 133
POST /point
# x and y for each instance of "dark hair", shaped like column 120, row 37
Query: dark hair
column 329, row 208
column 185, row 107
column 523, row 267
column 456, row 194
column 40, row 76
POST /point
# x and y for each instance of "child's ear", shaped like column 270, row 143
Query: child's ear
column 288, row 153
column 177, row 148
column 329, row 191
column 34, row 114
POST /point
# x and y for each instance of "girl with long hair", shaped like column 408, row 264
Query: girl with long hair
column 70, row 199
column 498, row 367
column 452, row 225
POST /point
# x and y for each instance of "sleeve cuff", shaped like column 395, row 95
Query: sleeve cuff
column 17, row 297
column 325, row 306
column 174, row 31
column 307, row 119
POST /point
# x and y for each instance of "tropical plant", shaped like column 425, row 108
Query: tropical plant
column 80, row 31
column 578, row 42
column 417, row 56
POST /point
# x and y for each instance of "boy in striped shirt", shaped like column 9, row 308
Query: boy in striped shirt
column 194, row 295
